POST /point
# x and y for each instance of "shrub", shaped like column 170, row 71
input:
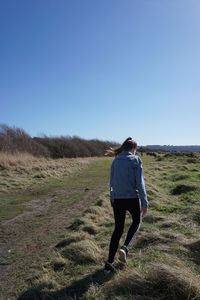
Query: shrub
column 13, row 139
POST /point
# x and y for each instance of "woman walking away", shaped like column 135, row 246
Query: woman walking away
column 127, row 193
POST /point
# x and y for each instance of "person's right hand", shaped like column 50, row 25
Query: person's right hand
column 144, row 211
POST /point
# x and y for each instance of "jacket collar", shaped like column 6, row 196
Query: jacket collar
column 126, row 153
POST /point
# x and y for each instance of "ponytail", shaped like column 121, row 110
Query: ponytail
column 127, row 145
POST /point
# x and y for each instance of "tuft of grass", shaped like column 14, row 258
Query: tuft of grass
column 173, row 282
column 152, row 218
column 192, row 160
column 146, row 240
column 159, row 281
column 58, row 263
column 170, row 224
column 91, row 229
column 127, row 285
column 72, row 238
column 93, row 293
column 83, row 252
column 196, row 216
column 177, row 177
column 194, row 246
column 166, row 208
column 182, row 189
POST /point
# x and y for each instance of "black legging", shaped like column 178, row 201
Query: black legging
column 120, row 206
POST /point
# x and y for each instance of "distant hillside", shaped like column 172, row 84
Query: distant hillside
column 171, row 148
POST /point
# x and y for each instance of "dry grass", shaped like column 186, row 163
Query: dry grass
column 126, row 284
column 7, row 159
column 22, row 170
column 72, row 238
column 159, row 281
column 163, row 263
column 194, row 246
column 27, row 162
column 175, row 283
column 182, row 189
column 152, row 274
column 83, row 252
column 58, row 262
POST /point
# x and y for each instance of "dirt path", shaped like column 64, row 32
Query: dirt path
column 29, row 238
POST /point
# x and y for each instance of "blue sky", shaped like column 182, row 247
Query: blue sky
column 104, row 69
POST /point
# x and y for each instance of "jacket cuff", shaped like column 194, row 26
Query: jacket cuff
column 145, row 203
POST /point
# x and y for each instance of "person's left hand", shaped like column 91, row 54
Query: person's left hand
column 144, row 211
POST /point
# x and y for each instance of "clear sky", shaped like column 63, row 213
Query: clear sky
column 104, row 69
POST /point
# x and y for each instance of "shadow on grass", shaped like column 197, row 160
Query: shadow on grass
column 182, row 188
column 73, row 291
column 194, row 251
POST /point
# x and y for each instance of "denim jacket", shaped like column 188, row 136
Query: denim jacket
column 127, row 179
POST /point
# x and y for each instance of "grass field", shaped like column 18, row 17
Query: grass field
column 56, row 240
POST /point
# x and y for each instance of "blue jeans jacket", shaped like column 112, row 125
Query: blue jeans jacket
column 127, row 179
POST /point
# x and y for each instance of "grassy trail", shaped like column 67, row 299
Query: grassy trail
column 28, row 237
column 163, row 264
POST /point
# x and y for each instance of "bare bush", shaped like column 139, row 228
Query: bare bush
column 13, row 139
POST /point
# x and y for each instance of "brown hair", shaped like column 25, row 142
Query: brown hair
column 127, row 145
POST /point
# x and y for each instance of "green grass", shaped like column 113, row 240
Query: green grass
column 164, row 260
